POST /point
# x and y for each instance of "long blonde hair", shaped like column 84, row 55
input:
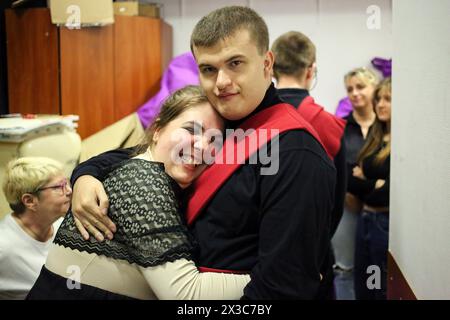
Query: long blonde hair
column 378, row 130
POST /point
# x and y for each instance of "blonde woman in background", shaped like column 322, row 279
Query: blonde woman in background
column 360, row 84
column 370, row 181
column 39, row 194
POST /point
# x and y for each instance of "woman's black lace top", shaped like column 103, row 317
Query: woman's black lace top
column 144, row 205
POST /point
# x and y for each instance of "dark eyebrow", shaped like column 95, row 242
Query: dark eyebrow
column 194, row 124
column 238, row 56
column 202, row 65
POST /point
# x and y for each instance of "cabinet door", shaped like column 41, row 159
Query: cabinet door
column 138, row 62
column 32, row 51
column 87, row 76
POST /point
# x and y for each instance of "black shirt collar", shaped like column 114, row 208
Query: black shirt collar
column 351, row 120
column 293, row 96
column 294, row 91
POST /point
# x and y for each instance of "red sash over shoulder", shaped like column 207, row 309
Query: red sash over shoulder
column 268, row 123
column 329, row 127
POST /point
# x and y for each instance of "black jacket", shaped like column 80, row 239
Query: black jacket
column 277, row 227
column 295, row 97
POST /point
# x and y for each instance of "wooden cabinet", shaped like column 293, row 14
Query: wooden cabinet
column 101, row 74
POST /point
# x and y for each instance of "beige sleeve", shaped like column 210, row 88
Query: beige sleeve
column 181, row 280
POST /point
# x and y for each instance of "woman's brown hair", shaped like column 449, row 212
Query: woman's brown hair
column 377, row 132
column 177, row 103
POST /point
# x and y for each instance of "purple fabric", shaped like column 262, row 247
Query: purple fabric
column 344, row 108
column 383, row 65
column 182, row 71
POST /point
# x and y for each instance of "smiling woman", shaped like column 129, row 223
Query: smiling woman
column 180, row 144
column 150, row 256
column 39, row 194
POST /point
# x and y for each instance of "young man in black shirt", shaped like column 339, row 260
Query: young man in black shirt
column 275, row 226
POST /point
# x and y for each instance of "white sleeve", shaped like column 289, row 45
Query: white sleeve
column 181, row 280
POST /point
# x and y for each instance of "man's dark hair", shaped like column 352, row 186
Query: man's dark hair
column 224, row 22
column 294, row 53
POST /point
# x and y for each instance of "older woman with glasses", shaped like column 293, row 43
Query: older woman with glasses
column 39, row 195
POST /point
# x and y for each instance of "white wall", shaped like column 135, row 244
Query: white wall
column 338, row 29
column 420, row 168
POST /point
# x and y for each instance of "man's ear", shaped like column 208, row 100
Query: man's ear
column 269, row 59
column 29, row 201
column 311, row 71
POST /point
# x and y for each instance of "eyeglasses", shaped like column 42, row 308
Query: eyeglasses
column 63, row 187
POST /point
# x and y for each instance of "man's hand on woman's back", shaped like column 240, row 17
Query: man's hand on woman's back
column 90, row 208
